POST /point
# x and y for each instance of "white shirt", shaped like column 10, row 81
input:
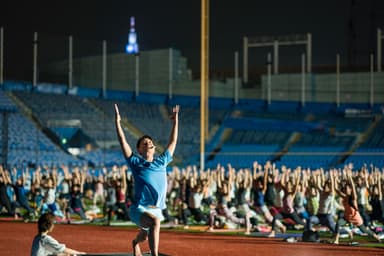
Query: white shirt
column 51, row 195
column 195, row 200
column 45, row 245
column 361, row 195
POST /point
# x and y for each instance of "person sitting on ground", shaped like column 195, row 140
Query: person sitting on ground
column 44, row 244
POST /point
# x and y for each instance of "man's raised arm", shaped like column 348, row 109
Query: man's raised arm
column 127, row 151
column 174, row 133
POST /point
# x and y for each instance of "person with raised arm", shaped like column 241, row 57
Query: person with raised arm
column 351, row 211
column 150, row 176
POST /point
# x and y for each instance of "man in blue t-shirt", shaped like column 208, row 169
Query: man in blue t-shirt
column 150, row 178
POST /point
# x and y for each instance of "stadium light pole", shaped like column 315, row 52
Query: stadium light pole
column 338, row 80
column 236, row 79
column 35, row 44
column 269, row 81
column 70, row 62
column 170, row 85
column 309, row 53
column 303, row 78
column 204, row 78
column 1, row 55
column 371, row 80
column 275, row 57
column 245, row 59
column 104, row 69
column 379, row 49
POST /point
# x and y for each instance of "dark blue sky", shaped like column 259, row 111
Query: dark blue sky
column 344, row 26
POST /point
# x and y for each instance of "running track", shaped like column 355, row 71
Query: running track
column 16, row 239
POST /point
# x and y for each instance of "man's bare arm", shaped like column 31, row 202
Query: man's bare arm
column 174, row 133
column 127, row 151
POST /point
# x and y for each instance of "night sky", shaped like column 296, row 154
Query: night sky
column 347, row 27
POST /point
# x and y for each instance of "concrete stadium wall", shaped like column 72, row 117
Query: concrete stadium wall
column 354, row 87
column 154, row 77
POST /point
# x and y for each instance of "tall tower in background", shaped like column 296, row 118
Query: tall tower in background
column 132, row 46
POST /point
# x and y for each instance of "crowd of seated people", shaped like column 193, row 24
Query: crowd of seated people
column 261, row 198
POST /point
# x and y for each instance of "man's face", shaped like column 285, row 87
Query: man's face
column 146, row 146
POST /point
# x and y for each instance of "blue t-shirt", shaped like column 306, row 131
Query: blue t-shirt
column 150, row 179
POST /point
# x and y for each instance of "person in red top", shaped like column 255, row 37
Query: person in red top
column 351, row 211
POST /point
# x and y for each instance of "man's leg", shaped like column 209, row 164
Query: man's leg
column 313, row 220
column 141, row 236
column 153, row 223
column 330, row 223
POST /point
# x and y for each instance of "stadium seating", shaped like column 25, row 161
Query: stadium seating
column 315, row 135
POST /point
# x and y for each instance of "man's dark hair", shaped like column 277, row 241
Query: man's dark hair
column 142, row 138
column 45, row 222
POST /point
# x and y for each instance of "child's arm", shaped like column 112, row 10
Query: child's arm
column 69, row 251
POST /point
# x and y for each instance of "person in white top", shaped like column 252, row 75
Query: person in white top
column 44, row 244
